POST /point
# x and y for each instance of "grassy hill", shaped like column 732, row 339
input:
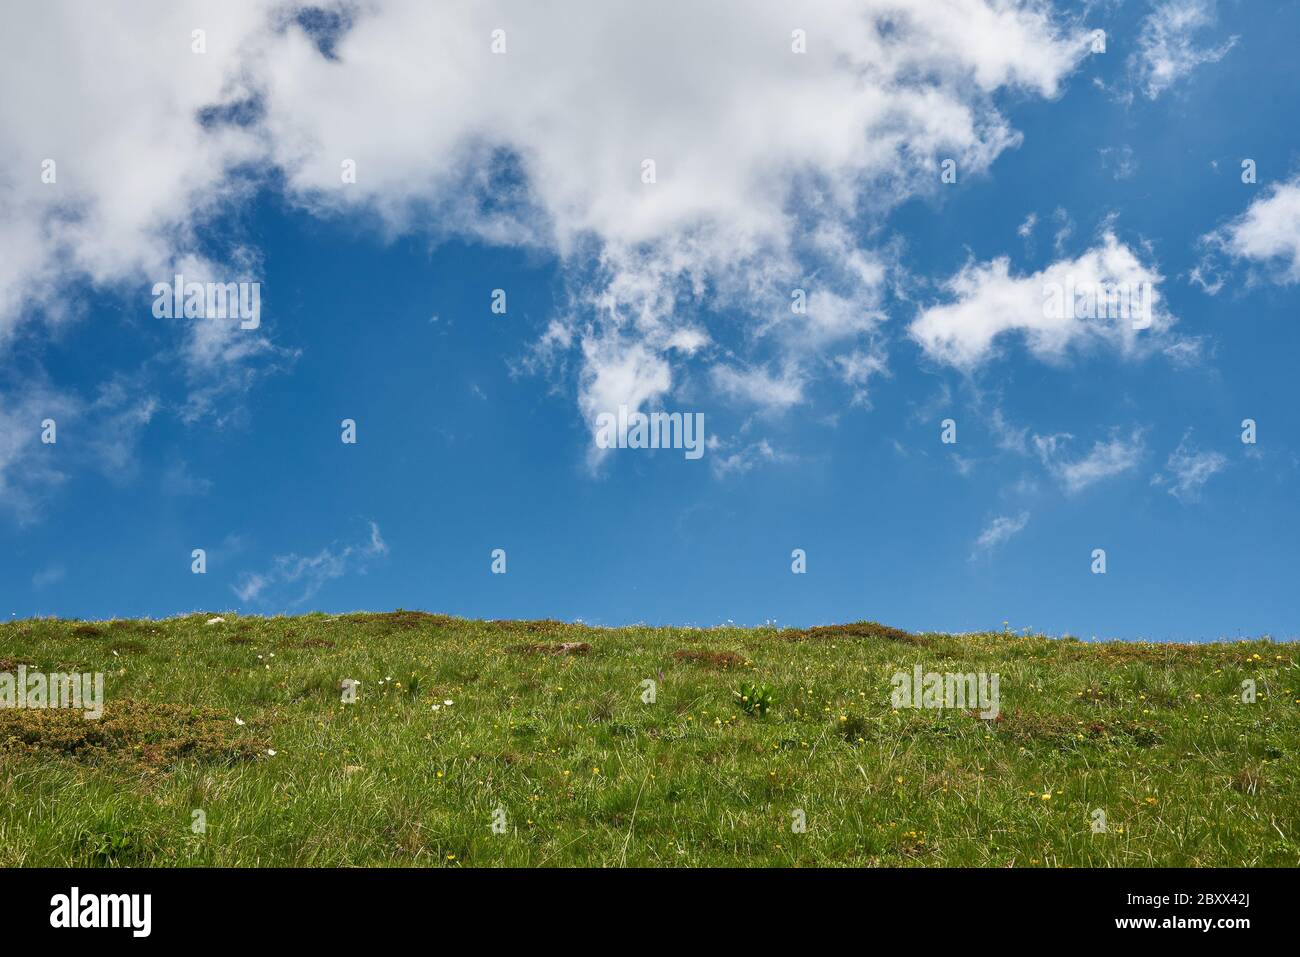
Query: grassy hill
column 541, row 728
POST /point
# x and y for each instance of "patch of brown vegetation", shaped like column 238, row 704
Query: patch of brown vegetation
column 1248, row 781
column 563, row 648
column 11, row 664
column 912, row 844
column 132, row 733
column 241, row 632
column 128, row 647
column 1062, row 730
column 856, row 629
column 404, row 620
column 1096, row 694
column 713, row 659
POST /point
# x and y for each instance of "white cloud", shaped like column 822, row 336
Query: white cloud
column 999, row 531
column 1121, row 162
column 250, row 587
column 1268, row 232
column 1168, row 49
column 1064, row 229
column 305, row 575
column 619, row 373
column 179, row 480
column 743, row 459
column 100, row 433
column 113, row 96
column 28, row 469
column 768, row 162
column 988, row 302
column 759, row 387
column 730, row 126
column 857, row 368
column 1105, row 460
column 222, row 363
column 1187, row 471
column 1008, row 437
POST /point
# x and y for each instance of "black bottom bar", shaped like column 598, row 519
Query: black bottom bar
column 349, row 906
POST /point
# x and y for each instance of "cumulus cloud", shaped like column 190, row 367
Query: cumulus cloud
column 730, row 126
column 1268, row 233
column 1000, row 530
column 766, row 162
column 304, row 575
column 114, row 158
column 988, row 303
column 1187, row 470
column 1169, row 46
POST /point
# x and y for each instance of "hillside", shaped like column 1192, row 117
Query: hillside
column 476, row 743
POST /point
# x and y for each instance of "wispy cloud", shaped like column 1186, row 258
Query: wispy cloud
column 179, row 480
column 1169, row 45
column 743, row 458
column 1187, row 470
column 108, row 427
column 1105, row 460
column 49, row 575
column 998, row 531
column 760, row 387
column 305, row 575
column 1120, row 161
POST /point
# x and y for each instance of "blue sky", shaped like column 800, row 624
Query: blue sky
column 474, row 428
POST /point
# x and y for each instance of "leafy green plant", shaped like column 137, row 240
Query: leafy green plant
column 111, row 843
column 854, row 728
column 754, row 698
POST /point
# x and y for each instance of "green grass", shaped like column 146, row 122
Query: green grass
column 1156, row 736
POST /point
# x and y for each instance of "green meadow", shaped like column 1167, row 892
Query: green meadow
column 245, row 742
